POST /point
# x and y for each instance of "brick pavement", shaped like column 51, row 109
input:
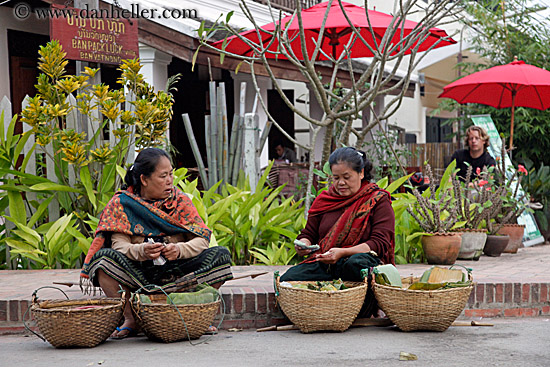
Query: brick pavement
column 512, row 285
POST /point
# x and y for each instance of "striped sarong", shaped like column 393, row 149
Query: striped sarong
column 211, row 266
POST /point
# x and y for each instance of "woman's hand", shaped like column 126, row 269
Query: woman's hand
column 153, row 250
column 171, row 251
column 301, row 251
column 331, row 256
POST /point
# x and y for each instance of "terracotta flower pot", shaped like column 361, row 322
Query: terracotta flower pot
column 515, row 231
column 495, row 245
column 442, row 248
column 473, row 241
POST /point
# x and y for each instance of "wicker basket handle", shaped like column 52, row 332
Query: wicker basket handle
column 275, row 282
column 35, row 301
column 168, row 298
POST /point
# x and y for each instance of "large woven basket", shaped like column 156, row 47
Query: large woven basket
column 419, row 309
column 321, row 311
column 162, row 322
column 77, row 323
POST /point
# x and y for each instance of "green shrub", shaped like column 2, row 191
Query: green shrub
column 85, row 169
column 248, row 223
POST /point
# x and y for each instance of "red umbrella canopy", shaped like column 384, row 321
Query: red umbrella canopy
column 337, row 32
column 496, row 86
column 516, row 84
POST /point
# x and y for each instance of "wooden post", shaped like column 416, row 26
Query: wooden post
column 207, row 141
column 195, row 148
column 219, row 127
column 225, row 140
column 238, row 149
column 213, row 130
column 249, row 148
column 512, row 123
column 232, row 148
column 128, row 106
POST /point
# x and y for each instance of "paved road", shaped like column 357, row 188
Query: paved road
column 511, row 342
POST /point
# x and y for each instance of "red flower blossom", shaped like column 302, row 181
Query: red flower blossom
column 478, row 171
column 521, row 169
column 482, row 183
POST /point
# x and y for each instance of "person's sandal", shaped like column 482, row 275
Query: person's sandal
column 131, row 332
column 212, row 330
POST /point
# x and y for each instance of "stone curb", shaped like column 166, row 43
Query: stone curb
column 255, row 307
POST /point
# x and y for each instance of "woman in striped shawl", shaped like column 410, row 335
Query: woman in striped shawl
column 151, row 236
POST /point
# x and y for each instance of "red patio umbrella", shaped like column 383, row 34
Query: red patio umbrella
column 514, row 84
column 337, row 32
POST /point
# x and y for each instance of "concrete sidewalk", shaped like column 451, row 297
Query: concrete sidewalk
column 509, row 285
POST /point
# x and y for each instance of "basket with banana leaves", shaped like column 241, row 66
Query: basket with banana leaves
column 430, row 302
column 320, row 305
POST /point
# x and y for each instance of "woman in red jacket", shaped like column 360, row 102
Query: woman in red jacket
column 352, row 222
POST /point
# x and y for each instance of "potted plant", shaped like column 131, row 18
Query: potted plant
column 514, row 203
column 473, row 201
column 436, row 212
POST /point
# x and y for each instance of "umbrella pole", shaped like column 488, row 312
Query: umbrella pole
column 512, row 123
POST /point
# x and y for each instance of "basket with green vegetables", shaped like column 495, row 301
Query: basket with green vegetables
column 320, row 305
column 431, row 302
column 433, row 278
column 322, row 286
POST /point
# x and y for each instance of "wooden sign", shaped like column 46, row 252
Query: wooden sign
column 105, row 40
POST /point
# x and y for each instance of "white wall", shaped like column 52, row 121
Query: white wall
column 9, row 21
column 410, row 115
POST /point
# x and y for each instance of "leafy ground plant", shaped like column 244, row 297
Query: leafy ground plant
column 82, row 167
column 245, row 221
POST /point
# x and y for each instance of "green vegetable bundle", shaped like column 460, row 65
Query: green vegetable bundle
column 203, row 294
column 323, row 286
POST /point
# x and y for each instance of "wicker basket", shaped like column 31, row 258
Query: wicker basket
column 422, row 310
column 321, row 311
column 162, row 322
column 66, row 323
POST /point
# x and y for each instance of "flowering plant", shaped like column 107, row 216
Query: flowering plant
column 512, row 203
column 474, row 198
column 435, row 209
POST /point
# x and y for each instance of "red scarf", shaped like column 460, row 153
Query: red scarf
column 351, row 225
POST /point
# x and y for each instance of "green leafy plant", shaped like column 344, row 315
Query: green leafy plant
column 82, row 169
column 388, row 164
column 507, row 203
column 51, row 245
column 436, row 210
column 537, row 183
column 408, row 248
column 245, row 221
column 324, row 180
column 275, row 254
column 473, row 198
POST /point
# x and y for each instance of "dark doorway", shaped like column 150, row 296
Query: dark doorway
column 192, row 98
column 284, row 117
column 438, row 131
column 23, row 52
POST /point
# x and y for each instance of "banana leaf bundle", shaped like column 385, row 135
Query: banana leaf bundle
column 441, row 278
column 323, row 286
